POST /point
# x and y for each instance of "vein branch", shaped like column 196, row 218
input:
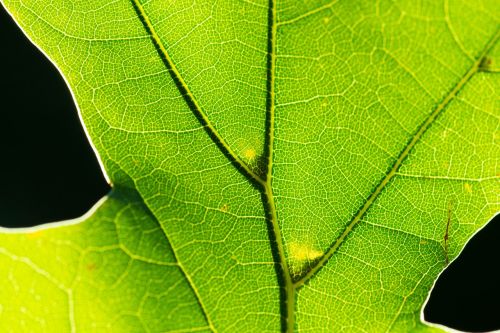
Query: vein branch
column 191, row 101
column 427, row 123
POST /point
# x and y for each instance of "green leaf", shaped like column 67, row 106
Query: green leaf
column 276, row 165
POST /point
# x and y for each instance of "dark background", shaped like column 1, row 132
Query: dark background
column 48, row 172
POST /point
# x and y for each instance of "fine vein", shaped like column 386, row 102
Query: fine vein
column 191, row 100
column 476, row 66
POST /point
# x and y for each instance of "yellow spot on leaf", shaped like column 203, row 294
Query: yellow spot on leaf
column 468, row 187
column 302, row 254
column 249, row 150
column 224, row 208
column 250, row 154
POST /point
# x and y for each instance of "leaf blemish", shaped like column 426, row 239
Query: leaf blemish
column 468, row 187
column 302, row 255
column 250, row 154
column 485, row 64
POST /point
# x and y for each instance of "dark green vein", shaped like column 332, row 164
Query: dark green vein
column 287, row 291
column 476, row 67
column 191, row 100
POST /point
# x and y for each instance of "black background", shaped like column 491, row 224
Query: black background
column 48, row 172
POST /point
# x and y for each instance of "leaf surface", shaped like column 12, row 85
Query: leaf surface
column 276, row 165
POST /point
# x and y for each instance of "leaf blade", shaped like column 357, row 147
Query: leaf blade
column 323, row 166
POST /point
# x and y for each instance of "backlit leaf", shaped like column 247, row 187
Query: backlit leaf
column 276, row 165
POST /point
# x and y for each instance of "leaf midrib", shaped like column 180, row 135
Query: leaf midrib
column 287, row 306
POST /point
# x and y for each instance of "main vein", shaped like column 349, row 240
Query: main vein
column 288, row 307
column 191, row 100
column 397, row 164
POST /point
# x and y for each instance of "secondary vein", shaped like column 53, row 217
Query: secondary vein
column 397, row 164
column 186, row 276
column 179, row 264
column 191, row 100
